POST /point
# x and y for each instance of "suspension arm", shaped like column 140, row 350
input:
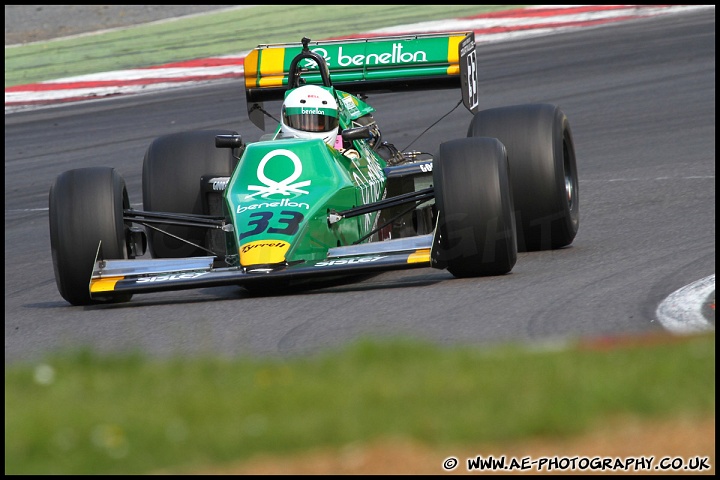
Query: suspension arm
column 420, row 195
column 183, row 219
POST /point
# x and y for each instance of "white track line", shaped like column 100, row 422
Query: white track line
column 681, row 311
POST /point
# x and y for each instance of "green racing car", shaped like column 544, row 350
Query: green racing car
column 323, row 195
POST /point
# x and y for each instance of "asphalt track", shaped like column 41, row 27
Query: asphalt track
column 641, row 101
column 33, row 23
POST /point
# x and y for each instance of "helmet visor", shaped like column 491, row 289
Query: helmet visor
column 310, row 119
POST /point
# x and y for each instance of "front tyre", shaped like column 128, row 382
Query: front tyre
column 86, row 208
column 476, row 226
column 543, row 171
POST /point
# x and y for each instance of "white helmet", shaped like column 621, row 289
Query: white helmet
column 310, row 111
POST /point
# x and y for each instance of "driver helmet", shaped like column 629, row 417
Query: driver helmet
column 310, row 111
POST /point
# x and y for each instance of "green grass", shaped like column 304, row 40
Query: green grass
column 85, row 413
column 224, row 33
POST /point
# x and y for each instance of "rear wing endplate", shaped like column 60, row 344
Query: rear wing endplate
column 363, row 65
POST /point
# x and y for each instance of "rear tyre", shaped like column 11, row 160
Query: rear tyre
column 172, row 169
column 86, row 208
column 476, row 224
column 543, row 171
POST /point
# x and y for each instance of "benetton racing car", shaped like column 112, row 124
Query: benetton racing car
column 281, row 211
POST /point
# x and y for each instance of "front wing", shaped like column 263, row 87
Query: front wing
column 110, row 277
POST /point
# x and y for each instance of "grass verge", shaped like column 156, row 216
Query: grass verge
column 86, row 413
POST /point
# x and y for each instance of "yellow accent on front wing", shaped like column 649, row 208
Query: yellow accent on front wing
column 419, row 256
column 104, row 284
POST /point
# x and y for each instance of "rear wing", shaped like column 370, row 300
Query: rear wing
column 362, row 65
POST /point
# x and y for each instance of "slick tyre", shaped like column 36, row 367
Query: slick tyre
column 543, row 171
column 476, row 229
column 172, row 169
column 86, row 210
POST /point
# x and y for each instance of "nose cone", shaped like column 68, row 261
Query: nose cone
column 263, row 252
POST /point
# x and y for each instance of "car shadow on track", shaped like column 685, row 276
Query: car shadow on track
column 355, row 283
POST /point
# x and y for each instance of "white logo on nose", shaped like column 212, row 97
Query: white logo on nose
column 285, row 187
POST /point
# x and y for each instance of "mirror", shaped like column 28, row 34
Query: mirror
column 357, row 133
